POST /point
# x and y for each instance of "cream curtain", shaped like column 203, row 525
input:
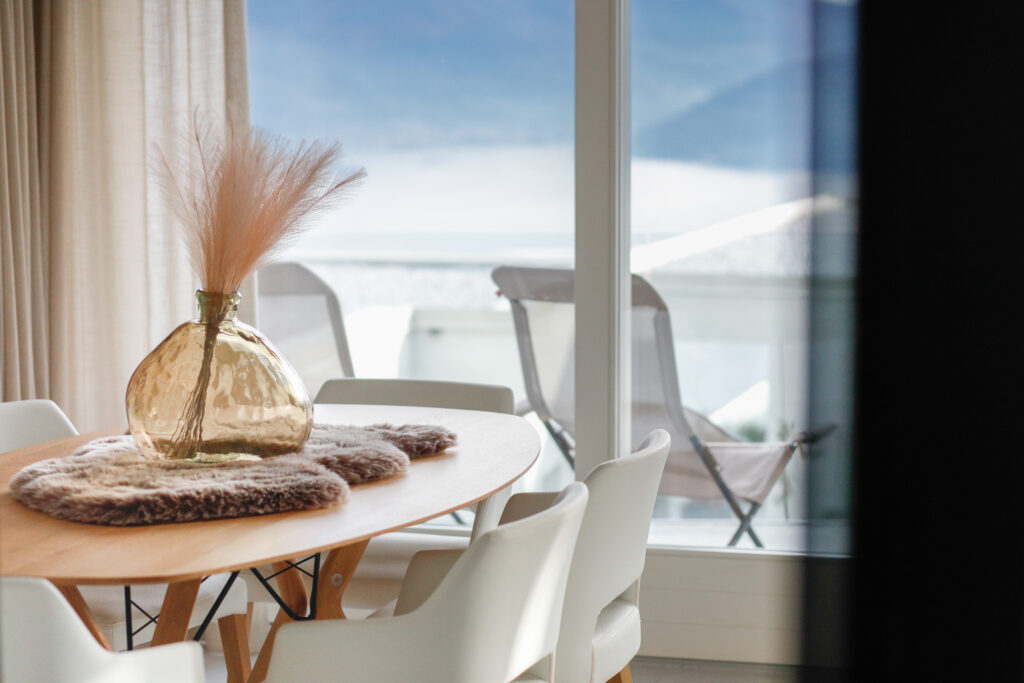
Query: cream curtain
column 94, row 272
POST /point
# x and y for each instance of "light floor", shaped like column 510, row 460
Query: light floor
column 658, row 670
column 644, row 669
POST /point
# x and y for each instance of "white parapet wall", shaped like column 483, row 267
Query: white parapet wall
column 729, row 605
column 740, row 606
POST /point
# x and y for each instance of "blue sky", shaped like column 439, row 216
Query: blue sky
column 461, row 111
column 407, row 73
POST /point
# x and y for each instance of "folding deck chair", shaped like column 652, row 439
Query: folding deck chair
column 300, row 314
column 706, row 462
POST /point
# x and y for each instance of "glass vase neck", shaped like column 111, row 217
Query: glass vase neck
column 216, row 307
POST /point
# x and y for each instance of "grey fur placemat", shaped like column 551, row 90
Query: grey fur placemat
column 108, row 481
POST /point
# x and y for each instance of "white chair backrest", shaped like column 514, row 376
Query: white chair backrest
column 501, row 600
column 613, row 540
column 612, row 545
column 26, row 423
column 43, row 640
column 34, row 619
column 611, row 548
column 418, row 392
column 300, row 314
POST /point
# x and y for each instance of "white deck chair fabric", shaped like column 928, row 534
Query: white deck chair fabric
column 299, row 313
column 26, row 423
column 378, row 577
column 705, row 462
column 493, row 616
column 600, row 625
column 42, row 640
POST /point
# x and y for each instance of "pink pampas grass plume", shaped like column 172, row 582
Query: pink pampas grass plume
column 248, row 195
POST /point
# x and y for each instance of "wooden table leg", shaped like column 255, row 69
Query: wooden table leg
column 74, row 596
column 291, row 590
column 335, row 575
column 176, row 612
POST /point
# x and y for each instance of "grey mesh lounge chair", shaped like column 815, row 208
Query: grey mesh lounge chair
column 706, row 462
column 301, row 315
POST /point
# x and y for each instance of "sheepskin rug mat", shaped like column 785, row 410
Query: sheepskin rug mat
column 109, row 481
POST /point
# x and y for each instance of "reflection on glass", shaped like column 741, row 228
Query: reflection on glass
column 462, row 114
column 724, row 199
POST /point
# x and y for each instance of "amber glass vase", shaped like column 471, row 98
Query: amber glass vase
column 215, row 389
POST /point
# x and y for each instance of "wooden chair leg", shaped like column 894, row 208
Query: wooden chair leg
column 623, row 676
column 259, row 670
column 234, row 635
column 290, row 587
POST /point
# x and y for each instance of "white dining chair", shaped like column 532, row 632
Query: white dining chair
column 378, row 576
column 492, row 398
column 491, row 612
column 27, row 423
column 30, row 422
column 42, row 640
column 600, row 627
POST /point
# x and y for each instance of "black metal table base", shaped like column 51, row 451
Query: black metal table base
column 315, row 576
column 129, row 604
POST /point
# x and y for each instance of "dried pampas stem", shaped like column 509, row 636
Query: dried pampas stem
column 247, row 195
column 189, row 432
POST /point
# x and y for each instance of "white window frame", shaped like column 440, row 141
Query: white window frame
column 747, row 604
column 602, row 279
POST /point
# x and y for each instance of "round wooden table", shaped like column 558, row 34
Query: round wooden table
column 492, row 451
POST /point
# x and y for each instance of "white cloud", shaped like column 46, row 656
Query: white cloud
column 529, row 189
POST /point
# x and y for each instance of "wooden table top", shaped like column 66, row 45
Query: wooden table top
column 492, row 451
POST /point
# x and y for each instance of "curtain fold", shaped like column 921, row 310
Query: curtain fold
column 94, row 271
column 24, row 325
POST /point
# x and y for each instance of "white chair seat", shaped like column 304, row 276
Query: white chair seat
column 388, row 556
column 378, row 577
column 107, row 605
column 387, row 610
column 616, row 638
